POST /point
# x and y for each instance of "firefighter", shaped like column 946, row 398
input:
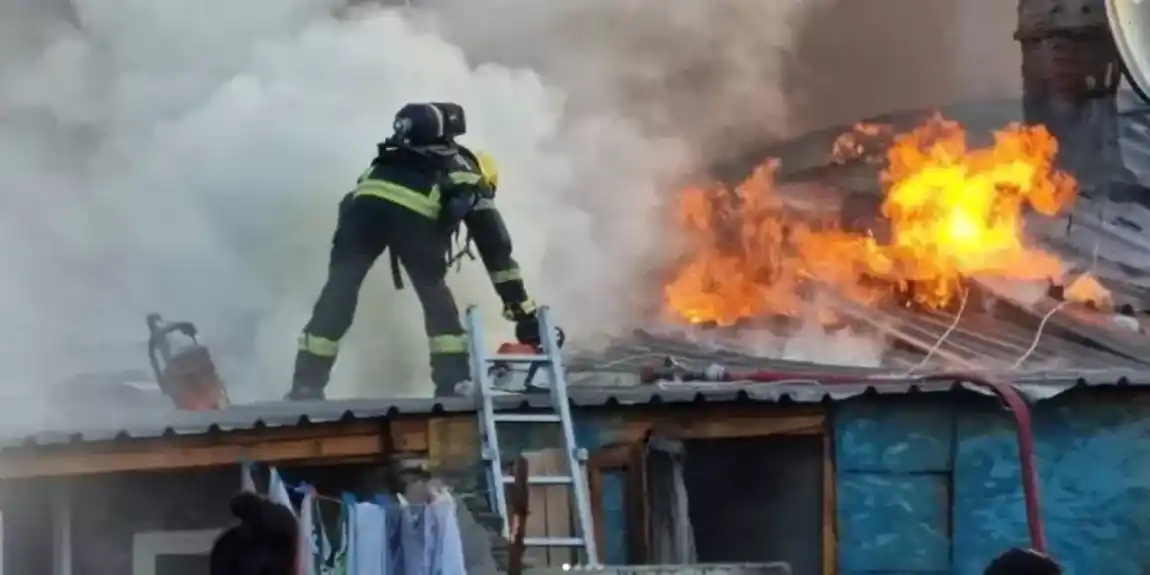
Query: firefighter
column 411, row 201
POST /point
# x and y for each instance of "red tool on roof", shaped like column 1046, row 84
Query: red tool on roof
column 184, row 371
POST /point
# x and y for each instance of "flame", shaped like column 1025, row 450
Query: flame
column 1085, row 289
column 952, row 213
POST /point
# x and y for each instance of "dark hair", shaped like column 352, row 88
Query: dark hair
column 1019, row 561
column 264, row 543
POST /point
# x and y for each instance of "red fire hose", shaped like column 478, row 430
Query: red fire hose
column 1005, row 391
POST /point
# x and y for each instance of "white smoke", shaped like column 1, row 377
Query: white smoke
column 188, row 157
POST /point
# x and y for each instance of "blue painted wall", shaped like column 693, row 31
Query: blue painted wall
column 893, row 466
column 927, row 488
column 930, row 484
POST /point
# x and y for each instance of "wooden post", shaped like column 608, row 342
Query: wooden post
column 517, row 518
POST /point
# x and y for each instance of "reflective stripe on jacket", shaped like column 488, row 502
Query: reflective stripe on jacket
column 424, row 204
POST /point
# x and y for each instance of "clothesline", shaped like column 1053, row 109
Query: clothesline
column 422, row 540
column 304, row 488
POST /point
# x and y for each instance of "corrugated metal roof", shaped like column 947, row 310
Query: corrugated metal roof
column 1077, row 346
column 591, row 393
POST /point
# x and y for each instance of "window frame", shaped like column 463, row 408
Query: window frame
column 148, row 546
column 628, row 459
column 626, row 453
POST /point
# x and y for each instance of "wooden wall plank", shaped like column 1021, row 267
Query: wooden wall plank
column 447, row 439
column 559, row 510
column 830, row 539
column 320, row 443
column 730, row 426
column 452, row 441
column 190, row 457
column 537, row 464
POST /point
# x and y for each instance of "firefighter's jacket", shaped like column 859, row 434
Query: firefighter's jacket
column 452, row 186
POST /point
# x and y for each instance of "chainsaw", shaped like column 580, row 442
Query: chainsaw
column 505, row 374
column 185, row 373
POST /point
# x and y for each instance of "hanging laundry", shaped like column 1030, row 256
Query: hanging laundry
column 369, row 530
column 322, row 542
column 306, row 559
column 349, row 501
column 247, row 483
column 394, row 540
column 417, row 539
column 337, row 560
column 447, row 543
column 277, row 490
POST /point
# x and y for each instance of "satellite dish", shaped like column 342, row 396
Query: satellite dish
column 1130, row 25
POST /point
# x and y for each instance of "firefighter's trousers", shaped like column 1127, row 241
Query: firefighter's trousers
column 367, row 227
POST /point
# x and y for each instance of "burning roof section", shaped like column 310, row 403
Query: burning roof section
column 950, row 214
column 925, row 247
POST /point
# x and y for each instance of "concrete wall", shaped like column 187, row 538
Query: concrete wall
column 922, row 488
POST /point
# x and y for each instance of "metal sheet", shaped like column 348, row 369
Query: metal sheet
column 1129, row 21
column 698, row 569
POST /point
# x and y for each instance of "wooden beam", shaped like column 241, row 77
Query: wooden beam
column 174, row 457
column 446, row 439
column 830, row 508
column 720, row 426
column 329, row 442
column 452, row 441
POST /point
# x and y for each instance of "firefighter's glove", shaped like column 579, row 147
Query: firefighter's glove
column 527, row 331
column 526, row 321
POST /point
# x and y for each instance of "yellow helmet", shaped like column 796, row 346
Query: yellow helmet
column 488, row 168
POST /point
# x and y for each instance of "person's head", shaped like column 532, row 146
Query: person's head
column 1020, row 561
column 429, row 124
column 264, row 542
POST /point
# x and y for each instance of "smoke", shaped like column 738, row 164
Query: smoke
column 187, row 158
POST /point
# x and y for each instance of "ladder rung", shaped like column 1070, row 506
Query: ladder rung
column 518, row 358
column 527, row 418
column 542, row 479
column 552, row 541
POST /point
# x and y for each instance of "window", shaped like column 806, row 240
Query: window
column 172, row 552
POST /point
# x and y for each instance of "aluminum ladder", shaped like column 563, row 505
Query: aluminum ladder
column 550, row 362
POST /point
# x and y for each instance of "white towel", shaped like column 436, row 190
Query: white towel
column 448, row 557
column 277, row 491
column 247, row 483
column 369, row 549
column 305, row 558
column 349, row 535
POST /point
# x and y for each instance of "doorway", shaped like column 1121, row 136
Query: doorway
column 757, row 500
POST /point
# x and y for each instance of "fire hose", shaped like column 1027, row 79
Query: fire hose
column 1006, row 392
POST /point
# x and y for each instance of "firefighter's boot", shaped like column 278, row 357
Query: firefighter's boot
column 311, row 376
column 451, row 374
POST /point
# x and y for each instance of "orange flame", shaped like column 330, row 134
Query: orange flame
column 952, row 213
column 1085, row 289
